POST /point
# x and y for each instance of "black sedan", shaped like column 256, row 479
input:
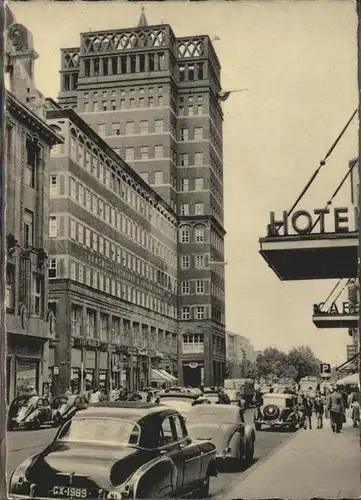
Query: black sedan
column 114, row 450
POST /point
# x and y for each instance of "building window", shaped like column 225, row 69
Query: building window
column 158, row 151
column 52, row 270
column 158, row 178
column 95, row 106
column 184, row 235
column 184, row 159
column 144, row 153
column 200, row 312
column 151, row 102
column 199, row 109
column 37, row 295
column 104, row 330
column 32, row 159
column 53, row 227
column 199, row 235
column 145, row 176
column 199, row 209
column 160, row 100
column 199, row 184
column 184, row 135
column 198, row 133
column 185, row 287
column 76, row 320
column 114, row 105
column 90, row 323
column 101, row 129
column 181, row 70
column 186, row 312
column 185, row 261
column 141, row 102
column 190, row 110
column 53, row 191
column 116, row 128
column 184, row 209
column 10, row 287
column 129, row 154
column 200, row 261
column 28, row 222
column 158, row 124
column 198, row 159
column 132, row 103
column 144, row 127
column 184, row 185
column 129, row 128
column 199, row 286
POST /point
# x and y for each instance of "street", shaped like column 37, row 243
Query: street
column 23, row 444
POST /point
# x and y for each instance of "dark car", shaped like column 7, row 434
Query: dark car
column 65, row 407
column 224, row 426
column 119, row 450
column 277, row 410
column 30, row 412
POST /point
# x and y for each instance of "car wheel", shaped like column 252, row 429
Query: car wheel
column 203, row 491
column 257, row 426
column 249, row 453
column 36, row 424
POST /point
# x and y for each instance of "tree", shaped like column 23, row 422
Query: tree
column 303, row 360
column 271, row 363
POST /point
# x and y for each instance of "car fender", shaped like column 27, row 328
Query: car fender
column 236, row 445
column 249, row 433
column 151, row 477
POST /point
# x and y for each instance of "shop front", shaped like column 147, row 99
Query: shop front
column 24, row 363
column 193, row 374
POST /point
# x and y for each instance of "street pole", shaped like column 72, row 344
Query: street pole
column 358, row 7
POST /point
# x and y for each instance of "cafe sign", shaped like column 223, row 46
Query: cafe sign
column 343, row 308
column 320, row 220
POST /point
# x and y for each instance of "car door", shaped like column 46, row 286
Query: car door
column 191, row 455
column 170, row 446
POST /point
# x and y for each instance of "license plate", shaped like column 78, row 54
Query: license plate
column 69, row 492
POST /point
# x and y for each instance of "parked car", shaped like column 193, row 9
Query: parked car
column 65, row 407
column 30, row 412
column 277, row 410
column 119, row 450
column 224, row 426
column 180, row 401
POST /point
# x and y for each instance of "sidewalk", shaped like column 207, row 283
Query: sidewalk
column 312, row 464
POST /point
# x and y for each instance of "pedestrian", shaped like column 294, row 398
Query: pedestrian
column 94, row 396
column 308, row 406
column 318, row 405
column 336, row 409
column 355, row 408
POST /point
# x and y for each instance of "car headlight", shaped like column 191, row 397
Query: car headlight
column 18, row 478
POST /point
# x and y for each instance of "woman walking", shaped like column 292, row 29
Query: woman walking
column 318, row 405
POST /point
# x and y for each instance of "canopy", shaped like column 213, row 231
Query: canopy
column 170, row 377
column 350, row 379
column 159, row 376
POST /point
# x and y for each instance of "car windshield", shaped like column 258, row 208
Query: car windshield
column 101, row 431
column 272, row 400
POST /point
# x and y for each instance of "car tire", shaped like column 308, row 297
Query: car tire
column 37, row 424
column 249, row 452
column 258, row 426
column 203, row 491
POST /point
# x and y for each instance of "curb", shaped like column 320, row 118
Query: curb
column 239, row 479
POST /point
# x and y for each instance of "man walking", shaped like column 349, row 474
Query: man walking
column 336, row 408
column 318, row 405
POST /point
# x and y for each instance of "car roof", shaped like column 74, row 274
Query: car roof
column 125, row 410
column 228, row 410
column 183, row 395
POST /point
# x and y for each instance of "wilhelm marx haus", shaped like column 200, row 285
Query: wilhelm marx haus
column 135, row 207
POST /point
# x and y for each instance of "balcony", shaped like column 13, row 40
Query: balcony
column 342, row 315
column 308, row 255
column 193, row 348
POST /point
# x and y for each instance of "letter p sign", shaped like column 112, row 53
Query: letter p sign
column 325, row 370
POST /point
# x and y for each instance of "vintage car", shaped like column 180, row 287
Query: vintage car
column 30, row 412
column 277, row 410
column 180, row 401
column 65, row 407
column 224, row 426
column 212, row 395
column 117, row 450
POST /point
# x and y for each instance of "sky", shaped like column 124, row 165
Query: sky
column 298, row 61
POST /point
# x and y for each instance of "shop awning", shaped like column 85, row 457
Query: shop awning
column 324, row 320
column 311, row 256
column 350, row 366
column 350, row 379
column 172, row 378
column 159, row 376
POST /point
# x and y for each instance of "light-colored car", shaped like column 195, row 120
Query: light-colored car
column 224, row 426
column 277, row 410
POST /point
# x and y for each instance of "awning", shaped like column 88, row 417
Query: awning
column 324, row 320
column 349, row 366
column 159, row 376
column 172, row 378
column 350, row 379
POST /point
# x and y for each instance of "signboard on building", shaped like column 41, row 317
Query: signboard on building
column 320, row 220
column 343, row 308
column 351, row 351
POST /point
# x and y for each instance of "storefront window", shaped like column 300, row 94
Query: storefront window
column 27, row 375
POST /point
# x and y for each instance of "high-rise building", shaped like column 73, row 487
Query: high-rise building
column 153, row 98
column 30, row 325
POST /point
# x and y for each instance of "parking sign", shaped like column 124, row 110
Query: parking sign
column 325, row 370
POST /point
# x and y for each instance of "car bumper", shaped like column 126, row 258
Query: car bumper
column 275, row 423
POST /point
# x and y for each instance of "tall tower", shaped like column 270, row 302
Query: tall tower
column 154, row 98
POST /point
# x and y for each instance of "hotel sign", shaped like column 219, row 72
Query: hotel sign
column 301, row 222
column 344, row 308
